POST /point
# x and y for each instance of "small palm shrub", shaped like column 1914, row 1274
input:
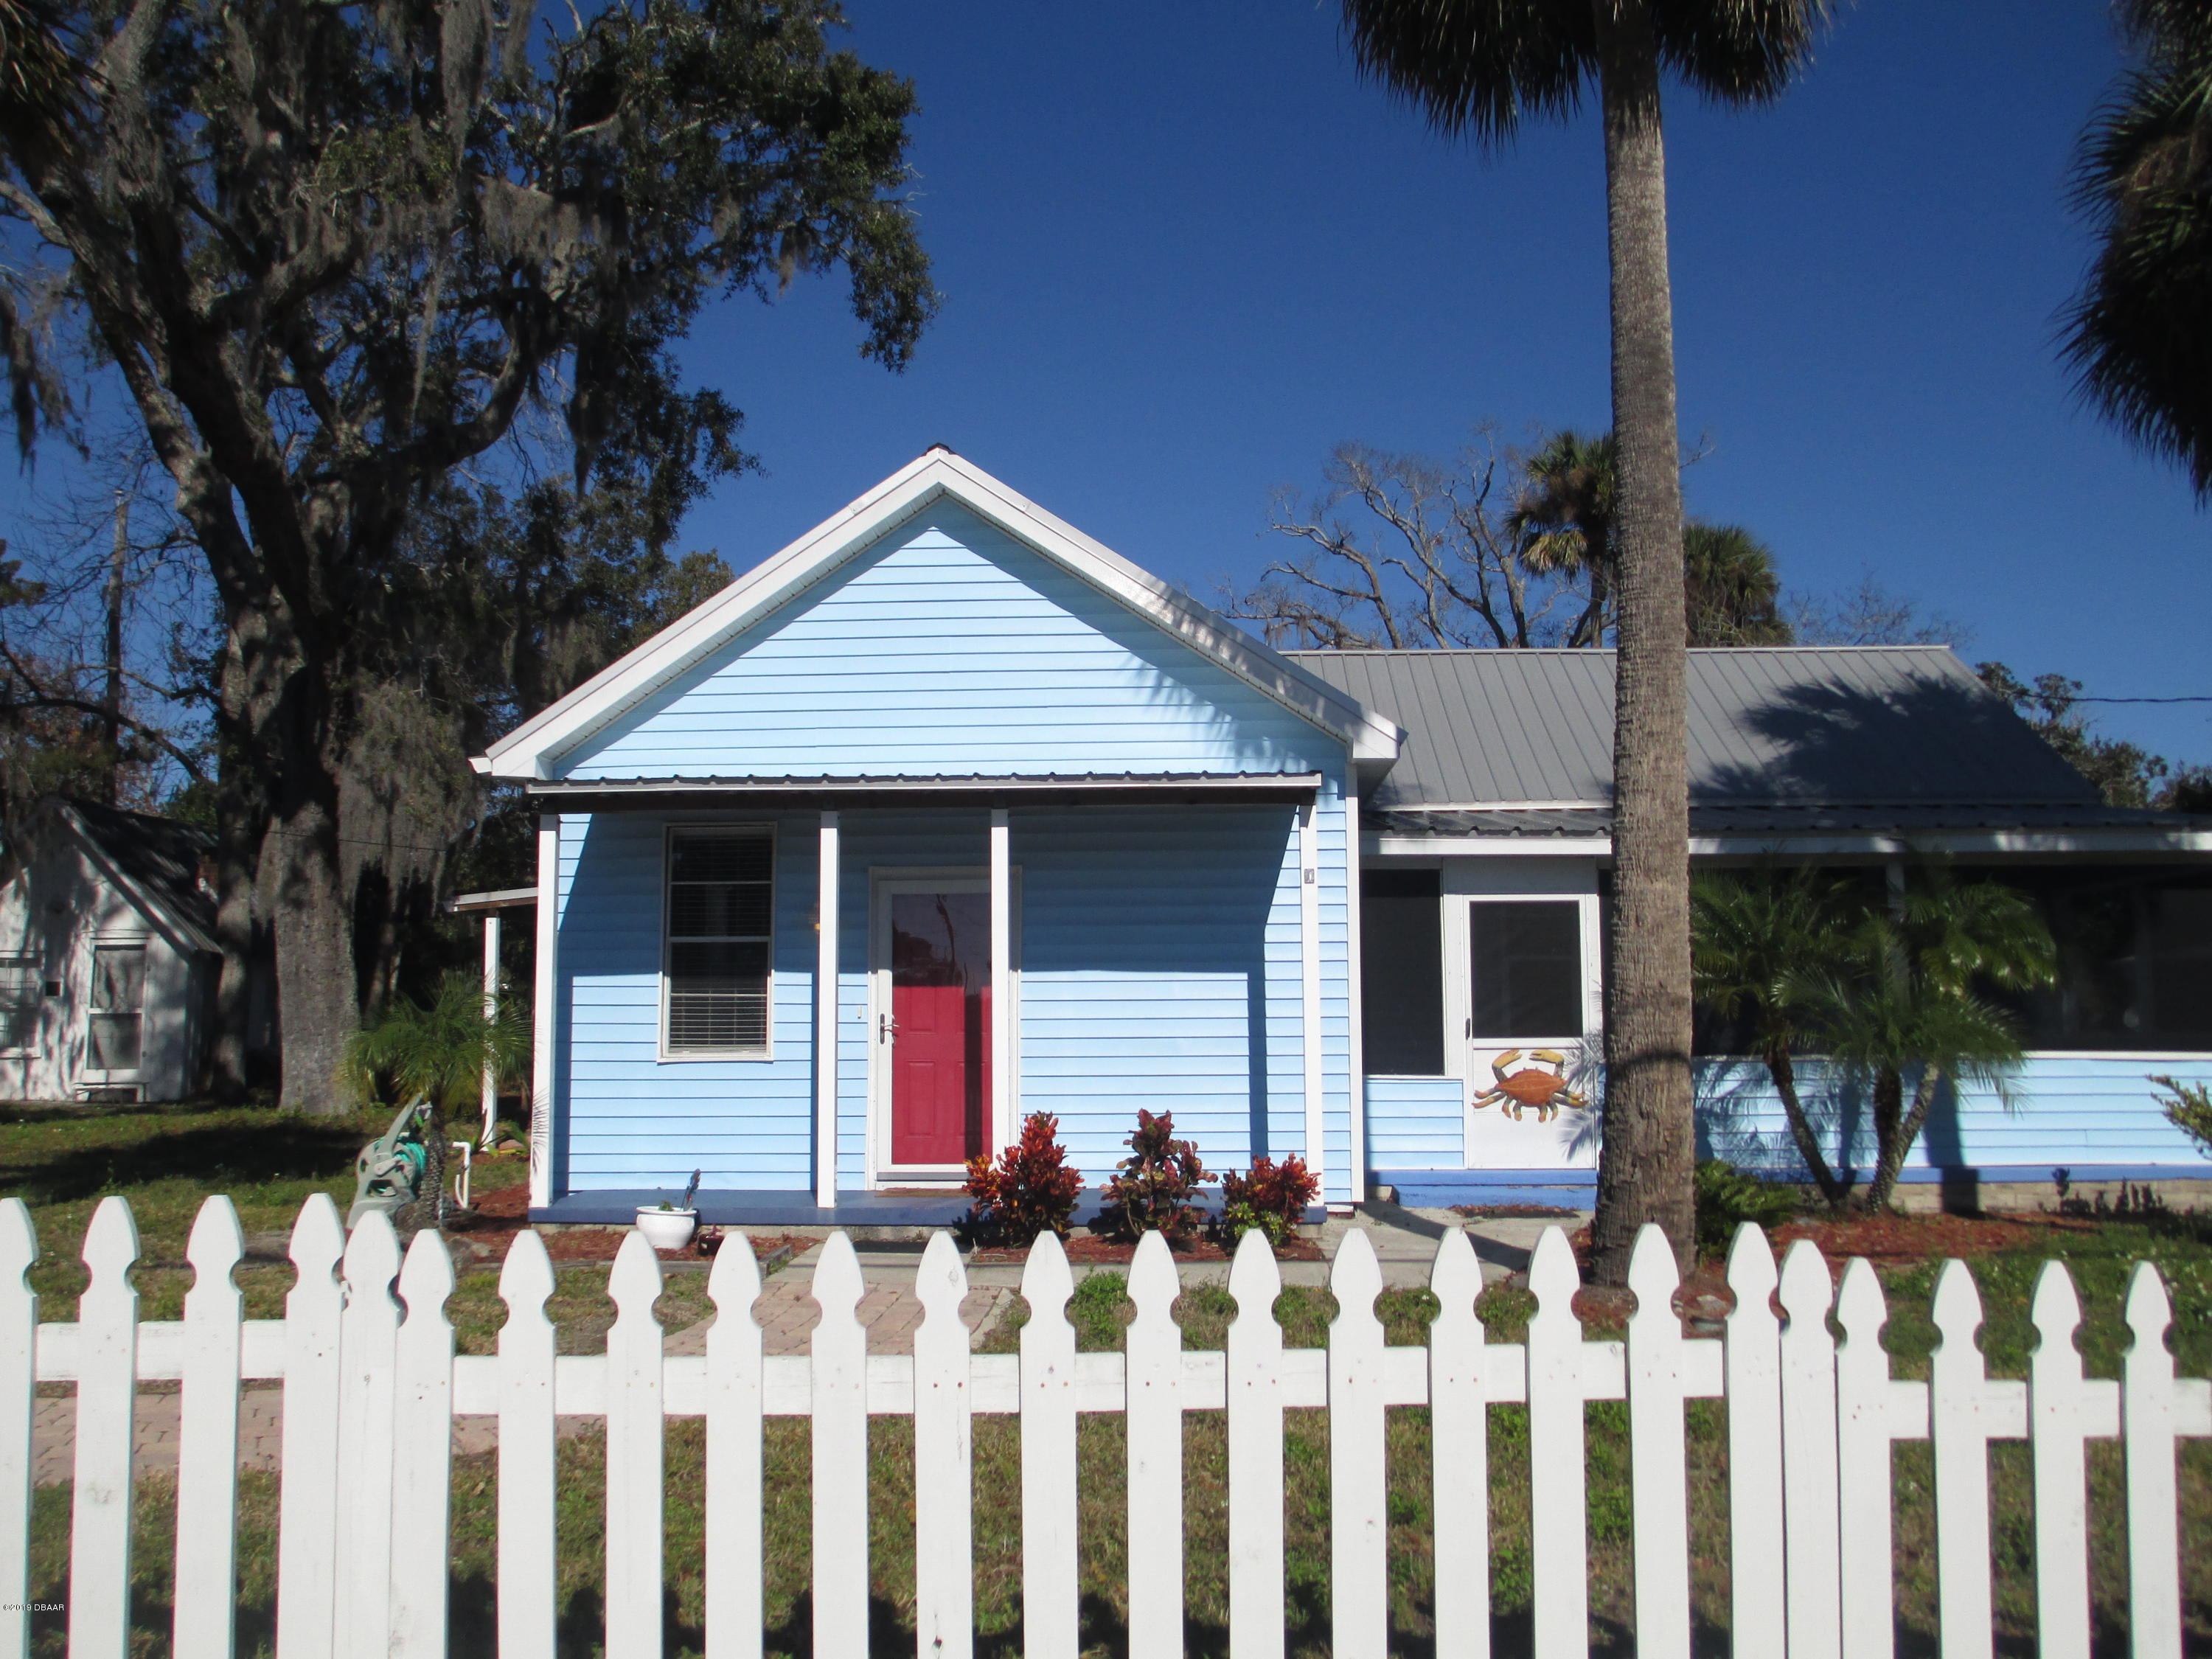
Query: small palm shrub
column 1728, row 1197
column 2189, row 1109
column 441, row 1051
column 1158, row 1184
column 1269, row 1196
column 1030, row 1190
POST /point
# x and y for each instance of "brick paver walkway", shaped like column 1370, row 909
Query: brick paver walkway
column 786, row 1311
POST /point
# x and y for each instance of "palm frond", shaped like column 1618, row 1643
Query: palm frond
column 441, row 1050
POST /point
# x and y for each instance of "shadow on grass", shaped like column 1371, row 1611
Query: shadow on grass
column 281, row 1149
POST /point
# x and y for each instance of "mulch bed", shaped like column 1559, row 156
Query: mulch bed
column 1513, row 1212
column 1898, row 1240
column 1090, row 1250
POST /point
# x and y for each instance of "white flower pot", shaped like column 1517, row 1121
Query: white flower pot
column 667, row 1229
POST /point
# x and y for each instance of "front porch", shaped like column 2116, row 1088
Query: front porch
column 850, row 991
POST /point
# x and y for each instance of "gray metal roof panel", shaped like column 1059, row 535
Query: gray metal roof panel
column 1867, row 818
column 1808, row 724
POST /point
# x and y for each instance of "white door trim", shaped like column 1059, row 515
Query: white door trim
column 882, row 882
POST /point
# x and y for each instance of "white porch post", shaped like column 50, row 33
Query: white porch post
column 1003, row 1128
column 491, row 1012
column 1355, row 951
column 544, row 1013
column 1309, row 991
column 826, row 1017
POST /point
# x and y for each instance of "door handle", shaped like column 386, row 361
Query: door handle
column 886, row 1027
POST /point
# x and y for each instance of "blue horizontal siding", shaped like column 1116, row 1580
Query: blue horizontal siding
column 2074, row 1110
column 1415, row 1123
column 2079, row 1111
column 952, row 648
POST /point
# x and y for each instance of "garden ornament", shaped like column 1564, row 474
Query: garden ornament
column 389, row 1172
column 1532, row 1085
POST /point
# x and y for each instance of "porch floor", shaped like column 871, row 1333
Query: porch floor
column 761, row 1207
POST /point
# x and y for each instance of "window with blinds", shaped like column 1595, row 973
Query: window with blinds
column 720, row 900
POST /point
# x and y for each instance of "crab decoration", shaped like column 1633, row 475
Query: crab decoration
column 1532, row 1085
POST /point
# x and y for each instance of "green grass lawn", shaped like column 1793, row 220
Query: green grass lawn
column 165, row 1160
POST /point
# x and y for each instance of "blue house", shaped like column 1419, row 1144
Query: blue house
column 946, row 814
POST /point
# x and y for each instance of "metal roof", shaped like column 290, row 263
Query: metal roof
column 1753, row 823
column 1902, row 726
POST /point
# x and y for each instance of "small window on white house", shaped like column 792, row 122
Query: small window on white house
column 117, row 1007
column 720, row 900
column 20, row 987
column 1527, row 968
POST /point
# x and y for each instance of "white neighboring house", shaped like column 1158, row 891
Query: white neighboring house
column 107, row 958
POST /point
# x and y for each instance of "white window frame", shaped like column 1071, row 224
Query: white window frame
column 700, row 827
column 89, row 1072
column 876, row 1169
column 31, row 960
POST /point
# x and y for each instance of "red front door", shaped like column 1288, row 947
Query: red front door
column 940, row 1026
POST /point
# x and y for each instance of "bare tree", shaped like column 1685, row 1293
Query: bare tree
column 1404, row 552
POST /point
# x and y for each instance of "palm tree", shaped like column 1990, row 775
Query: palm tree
column 1730, row 588
column 1763, row 947
column 1477, row 66
column 1882, row 985
column 1564, row 520
column 2140, row 335
column 1919, row 1002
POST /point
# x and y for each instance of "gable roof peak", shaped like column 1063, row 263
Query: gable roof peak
column 531, row 750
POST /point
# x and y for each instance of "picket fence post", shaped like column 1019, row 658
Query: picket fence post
column 635, row 1466
column 1466, row 1372
column 1811, row 1548
column 1867, row 1423
column 2147, row 1412
column 2065, row 1410
column 206, row 1602
column 943, row 1460
column 1049, row 1627
column 19, row 1401
column 840, row 1434
column 307, row 1497
column 1959, row 1431
column 368, row 1346
column 527, row 1585
column 1255, row 1366
column 1559, row 1504
column 1153, row 1365
column 423, row 1451
column 1358, row 1590
column 1658, row 1476
column 1753, row 1363
column 106, row 1393
column 735, row 1389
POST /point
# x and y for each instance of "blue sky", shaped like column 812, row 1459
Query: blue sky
column 1185, row 251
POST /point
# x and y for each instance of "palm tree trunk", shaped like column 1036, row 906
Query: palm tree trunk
column 1645, row 1167
column 1897, row 1136
column 1783, row 1071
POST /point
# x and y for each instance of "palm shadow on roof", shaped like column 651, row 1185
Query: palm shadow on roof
column 1920, row 738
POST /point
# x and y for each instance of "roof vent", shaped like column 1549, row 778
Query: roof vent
column 947, row 448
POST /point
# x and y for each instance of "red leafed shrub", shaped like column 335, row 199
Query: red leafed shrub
column 1030, row 1190
column 1270, row 1196
column 1157, row 1182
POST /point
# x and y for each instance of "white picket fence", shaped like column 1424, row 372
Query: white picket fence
column 370, row 1388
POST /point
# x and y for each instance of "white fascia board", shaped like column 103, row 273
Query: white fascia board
column 2013, row 843
column 529, row 751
